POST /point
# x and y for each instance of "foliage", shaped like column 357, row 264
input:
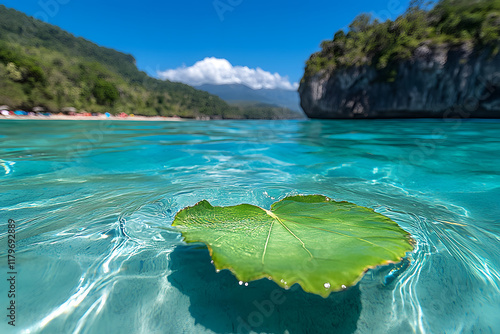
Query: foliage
column 311, row 240
column 258, row 110
column 42, row 65
column 383, row 44
column 105, row 92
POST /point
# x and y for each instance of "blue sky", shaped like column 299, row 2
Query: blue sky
column 277, row 36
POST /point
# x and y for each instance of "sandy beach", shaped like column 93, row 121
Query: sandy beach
column 89, row 118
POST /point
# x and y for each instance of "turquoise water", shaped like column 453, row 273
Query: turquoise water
column 93, row 202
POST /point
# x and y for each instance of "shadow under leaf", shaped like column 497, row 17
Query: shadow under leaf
column 219, row 303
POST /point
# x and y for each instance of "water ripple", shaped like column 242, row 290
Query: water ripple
column 94, row 222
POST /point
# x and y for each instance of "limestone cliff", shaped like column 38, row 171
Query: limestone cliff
column 438, row 81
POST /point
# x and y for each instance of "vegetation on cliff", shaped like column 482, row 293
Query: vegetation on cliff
column 383, row 44
column 43, row 65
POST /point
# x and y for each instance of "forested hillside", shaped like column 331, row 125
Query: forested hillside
column 383, row 44
column 43, row 65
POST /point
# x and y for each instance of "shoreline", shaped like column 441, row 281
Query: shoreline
column 91, row 118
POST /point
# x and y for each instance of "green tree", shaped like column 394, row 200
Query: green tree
column 105, row 92
column 361, row 23
column 13, row 72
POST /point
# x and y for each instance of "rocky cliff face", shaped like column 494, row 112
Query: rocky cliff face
column 439, row 81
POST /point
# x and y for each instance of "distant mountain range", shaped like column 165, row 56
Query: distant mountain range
column 239, row 92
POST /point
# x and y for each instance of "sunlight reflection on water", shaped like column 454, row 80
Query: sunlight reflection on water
column 97, row 253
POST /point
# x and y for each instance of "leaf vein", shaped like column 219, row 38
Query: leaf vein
column 346, row 235
column 289, row 231
column 267, row 242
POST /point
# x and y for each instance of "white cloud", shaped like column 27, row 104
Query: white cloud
column 220, row 71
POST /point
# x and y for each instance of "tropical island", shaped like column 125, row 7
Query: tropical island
column 48, row 70
column 431, row 62
column 438, row 62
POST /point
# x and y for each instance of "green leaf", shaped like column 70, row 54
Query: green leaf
column 321, row 244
